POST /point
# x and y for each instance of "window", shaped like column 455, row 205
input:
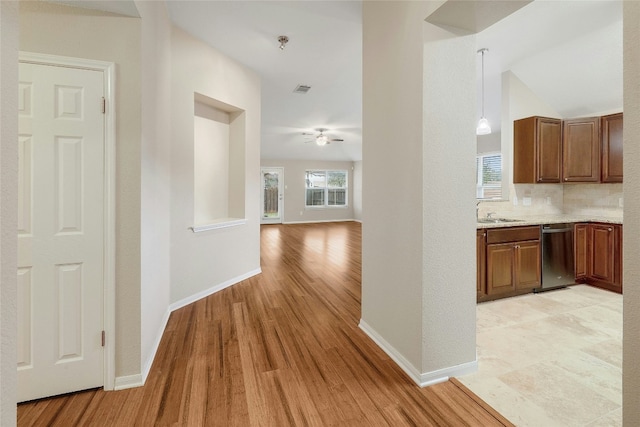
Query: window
column 326, row 188
column 489, row 176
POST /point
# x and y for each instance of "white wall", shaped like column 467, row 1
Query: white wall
column 631, row 188
column 8, row 208
column 392, row 231
column 203, row 261
column 69, row 31
column 211, row 169
column 295, row 190
column 155, row 284
column 449, row 292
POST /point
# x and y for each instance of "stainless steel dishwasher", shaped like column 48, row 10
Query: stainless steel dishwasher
column 557, row 256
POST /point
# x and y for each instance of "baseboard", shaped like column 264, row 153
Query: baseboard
column 202, row 294
column 318, row 221
column 146, row 367
column 128, row 381
column 137, row 380
column 422, row 379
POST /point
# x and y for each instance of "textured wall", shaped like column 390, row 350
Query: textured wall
column 631, row 188
column 449, row 297
column 8, row 208
column 392, row 165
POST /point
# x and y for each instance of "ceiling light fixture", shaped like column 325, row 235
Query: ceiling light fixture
column 283, row 41
column 321, row 139
column 483, row 124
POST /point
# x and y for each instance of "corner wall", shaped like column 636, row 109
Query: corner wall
column 69, row 31
column 631, row 189
column 8, row 208
column 392, row 225
column 203, row 262
column 449, row 230
column 155, row 200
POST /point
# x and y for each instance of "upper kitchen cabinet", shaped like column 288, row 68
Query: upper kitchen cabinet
column 611, row 127
column 537, row 150
column 581, row 150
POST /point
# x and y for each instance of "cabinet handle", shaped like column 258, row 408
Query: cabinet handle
column 609, row 229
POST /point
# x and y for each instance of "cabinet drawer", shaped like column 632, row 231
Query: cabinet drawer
column 513, row 234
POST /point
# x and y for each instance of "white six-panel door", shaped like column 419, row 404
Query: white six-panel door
column 60, row 230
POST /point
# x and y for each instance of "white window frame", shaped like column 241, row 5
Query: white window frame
column 326, row 189
column 481, row 187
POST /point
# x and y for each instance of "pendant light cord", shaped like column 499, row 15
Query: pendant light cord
column 482, row 53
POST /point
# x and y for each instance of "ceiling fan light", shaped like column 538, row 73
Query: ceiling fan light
column 321, row 140
column 483, row 127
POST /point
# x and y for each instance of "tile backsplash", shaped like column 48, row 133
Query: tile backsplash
column 552, row 199
column 593, row 199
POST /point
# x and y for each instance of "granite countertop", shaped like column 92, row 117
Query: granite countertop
column 548, row 219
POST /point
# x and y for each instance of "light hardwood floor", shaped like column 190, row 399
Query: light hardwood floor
column 282, row 348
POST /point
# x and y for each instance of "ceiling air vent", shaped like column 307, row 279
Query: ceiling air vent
column 302, row 89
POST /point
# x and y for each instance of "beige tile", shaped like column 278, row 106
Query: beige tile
column 612, row 419
column 561, row 396
column 521, row 411
column 594, row 373
column 609, row 351
column 552, row 359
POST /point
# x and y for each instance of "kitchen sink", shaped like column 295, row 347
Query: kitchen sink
column 497, row 220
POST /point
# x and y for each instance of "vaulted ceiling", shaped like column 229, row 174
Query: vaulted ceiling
column 568, row 52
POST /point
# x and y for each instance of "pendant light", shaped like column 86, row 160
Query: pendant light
column 483, row 124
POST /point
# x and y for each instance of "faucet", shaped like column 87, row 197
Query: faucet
column 489, row 214
column 477, row 209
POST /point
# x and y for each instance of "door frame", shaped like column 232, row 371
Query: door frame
column 280, row 170
column 108, row 71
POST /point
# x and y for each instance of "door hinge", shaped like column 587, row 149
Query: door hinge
column 104, row 337
column 104, row 105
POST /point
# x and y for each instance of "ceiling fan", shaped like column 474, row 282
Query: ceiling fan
column 321, row 138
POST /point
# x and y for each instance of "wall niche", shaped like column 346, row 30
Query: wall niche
column 218, row 164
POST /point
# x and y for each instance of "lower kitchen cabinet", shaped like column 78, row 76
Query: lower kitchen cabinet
column 581, row 251
column 598, row 248
column 512, row 261
column 481, row 264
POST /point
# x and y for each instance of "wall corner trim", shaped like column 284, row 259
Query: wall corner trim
column 138, row 380
column 424, row 379
column 128, row 381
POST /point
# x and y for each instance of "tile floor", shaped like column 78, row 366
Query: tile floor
column 552, row 359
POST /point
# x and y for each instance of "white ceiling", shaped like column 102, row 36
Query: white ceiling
column 567, row 52
column 324, row 51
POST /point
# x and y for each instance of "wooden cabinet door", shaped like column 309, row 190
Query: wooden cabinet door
column 527, row 265
column 548, row 150
column 611, row 148
column 537, row 150
column 602, row 252
column 581, row 258
column 500, row 268
column 617, row 257
column 581, row 150
column 481, row 263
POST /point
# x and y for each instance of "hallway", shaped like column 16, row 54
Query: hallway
column 282, row 348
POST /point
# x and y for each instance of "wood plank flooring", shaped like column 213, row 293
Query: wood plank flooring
column 280, row 349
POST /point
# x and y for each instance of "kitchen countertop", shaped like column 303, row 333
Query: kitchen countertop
column 548, row 219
